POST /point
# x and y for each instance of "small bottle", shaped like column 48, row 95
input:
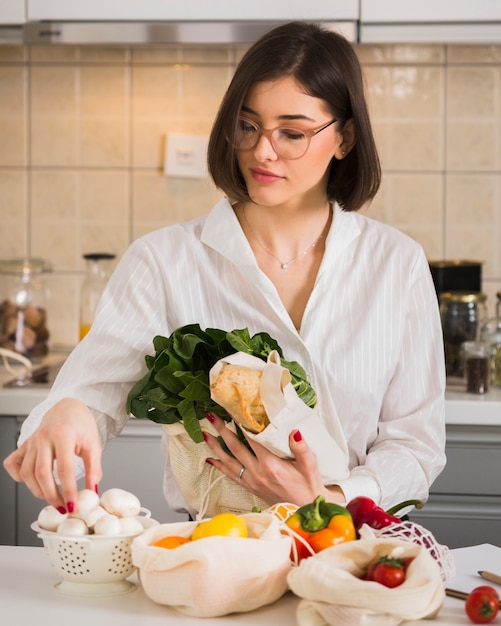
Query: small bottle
column 477, row 355
column 491, row 334
column 98, row 271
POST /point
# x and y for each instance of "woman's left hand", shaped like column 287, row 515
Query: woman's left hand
column 266, row 475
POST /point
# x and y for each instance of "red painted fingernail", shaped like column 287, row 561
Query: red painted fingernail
column 205, row 436
column 211, row 417
column 70, row 506
column 96, row 489
column 209, row 461
column 61, row 510
column 297, row 436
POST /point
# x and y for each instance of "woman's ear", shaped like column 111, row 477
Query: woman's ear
column 349, row 139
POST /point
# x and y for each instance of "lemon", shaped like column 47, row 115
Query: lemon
column 224, row 525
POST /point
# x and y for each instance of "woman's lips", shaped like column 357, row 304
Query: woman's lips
column 264, row 176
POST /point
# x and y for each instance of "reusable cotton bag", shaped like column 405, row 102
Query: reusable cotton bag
column 286, row 411
column 215, row 576
column 333, row 592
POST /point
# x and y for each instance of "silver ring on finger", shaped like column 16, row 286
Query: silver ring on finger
column 241, row 473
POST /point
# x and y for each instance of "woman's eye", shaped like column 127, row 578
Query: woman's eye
column 246, row 127
column 291, row 134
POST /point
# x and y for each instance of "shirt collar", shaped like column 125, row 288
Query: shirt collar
column 222, row 232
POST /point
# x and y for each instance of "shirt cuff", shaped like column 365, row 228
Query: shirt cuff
column 360, row 484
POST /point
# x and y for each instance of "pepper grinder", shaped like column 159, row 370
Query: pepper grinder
column 98, row 271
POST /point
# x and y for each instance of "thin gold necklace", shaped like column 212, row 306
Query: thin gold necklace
column 283, row 264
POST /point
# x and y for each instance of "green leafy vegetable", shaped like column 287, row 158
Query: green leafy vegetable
column 176, row 386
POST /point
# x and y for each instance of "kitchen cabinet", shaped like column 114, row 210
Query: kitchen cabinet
column 132, row 461
column 12, row 12
column 464, row 507
column 440, row 21
column 429, row 11
column 143, row 22
column 191, row 10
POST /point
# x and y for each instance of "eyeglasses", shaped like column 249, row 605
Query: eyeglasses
column 287, row 142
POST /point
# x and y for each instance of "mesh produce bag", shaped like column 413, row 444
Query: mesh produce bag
column 410, row 531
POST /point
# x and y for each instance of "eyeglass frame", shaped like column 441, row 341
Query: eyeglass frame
column 308, row 132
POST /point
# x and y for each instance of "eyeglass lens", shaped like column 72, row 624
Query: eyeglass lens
column 289, row 143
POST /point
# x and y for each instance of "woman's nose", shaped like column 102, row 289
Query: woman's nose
column 264, row 150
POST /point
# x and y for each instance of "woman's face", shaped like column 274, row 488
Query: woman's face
column 271, row 179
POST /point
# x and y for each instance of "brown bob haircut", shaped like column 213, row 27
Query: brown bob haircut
column 326, row 66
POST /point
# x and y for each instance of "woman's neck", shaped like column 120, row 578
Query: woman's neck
column 285, row 234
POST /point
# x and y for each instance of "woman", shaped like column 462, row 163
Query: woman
column 284, row 252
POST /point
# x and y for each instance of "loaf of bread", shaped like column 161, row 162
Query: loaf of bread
column 237, row 389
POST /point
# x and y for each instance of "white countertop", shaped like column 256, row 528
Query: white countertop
column 19, row 401
column 28, row 596
column 460, row 407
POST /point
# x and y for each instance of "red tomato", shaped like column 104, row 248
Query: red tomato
column 482, row 604
column 488, row 589
column 388, row 575
column 388, row 571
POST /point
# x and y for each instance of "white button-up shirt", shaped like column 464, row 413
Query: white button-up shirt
column 370, row 339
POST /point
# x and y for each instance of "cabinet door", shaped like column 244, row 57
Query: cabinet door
column 191, row 10
column 473, row 462
column 12, row 12
column 430, row 21
column 461, row 521
column 8, row 433
column 429, row 11
column 134, row 462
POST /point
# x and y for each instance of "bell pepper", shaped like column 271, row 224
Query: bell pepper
column 365, row 511
column 321, row 524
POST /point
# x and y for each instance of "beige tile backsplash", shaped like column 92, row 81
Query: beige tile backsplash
column 83, row 133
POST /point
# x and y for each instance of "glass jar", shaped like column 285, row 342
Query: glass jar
column 463, row 315
column 23, row 306
column 491, row 334
column 477, row 357
column 98, row 272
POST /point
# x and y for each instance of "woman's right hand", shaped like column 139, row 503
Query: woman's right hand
column 66, row 430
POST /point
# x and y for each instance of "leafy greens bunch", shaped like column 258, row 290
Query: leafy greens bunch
column 176, row 386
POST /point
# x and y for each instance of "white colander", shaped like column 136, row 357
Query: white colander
column 92, row 564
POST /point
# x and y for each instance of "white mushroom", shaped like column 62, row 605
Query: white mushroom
column 86, row 501
column 107, row 525
column 49, row 518
column 129, row 525
column 73, row 527
column 120, row 503
column 92, row 516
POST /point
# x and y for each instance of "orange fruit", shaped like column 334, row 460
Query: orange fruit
column 172, row 541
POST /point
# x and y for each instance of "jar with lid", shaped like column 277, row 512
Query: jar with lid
column 98, row 272
column 24, row 299
column 491, row 334
column 463, row 315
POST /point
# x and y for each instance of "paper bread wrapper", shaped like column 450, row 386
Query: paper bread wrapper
column 287, row 412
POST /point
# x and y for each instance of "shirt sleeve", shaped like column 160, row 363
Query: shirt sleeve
column 409, row 450
column 103, row 367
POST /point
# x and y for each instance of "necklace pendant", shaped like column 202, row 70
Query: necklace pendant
column 284, row 266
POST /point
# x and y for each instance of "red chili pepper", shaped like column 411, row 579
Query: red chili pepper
column 365, row 511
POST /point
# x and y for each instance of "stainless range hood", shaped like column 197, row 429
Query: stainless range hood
column 172, row 32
